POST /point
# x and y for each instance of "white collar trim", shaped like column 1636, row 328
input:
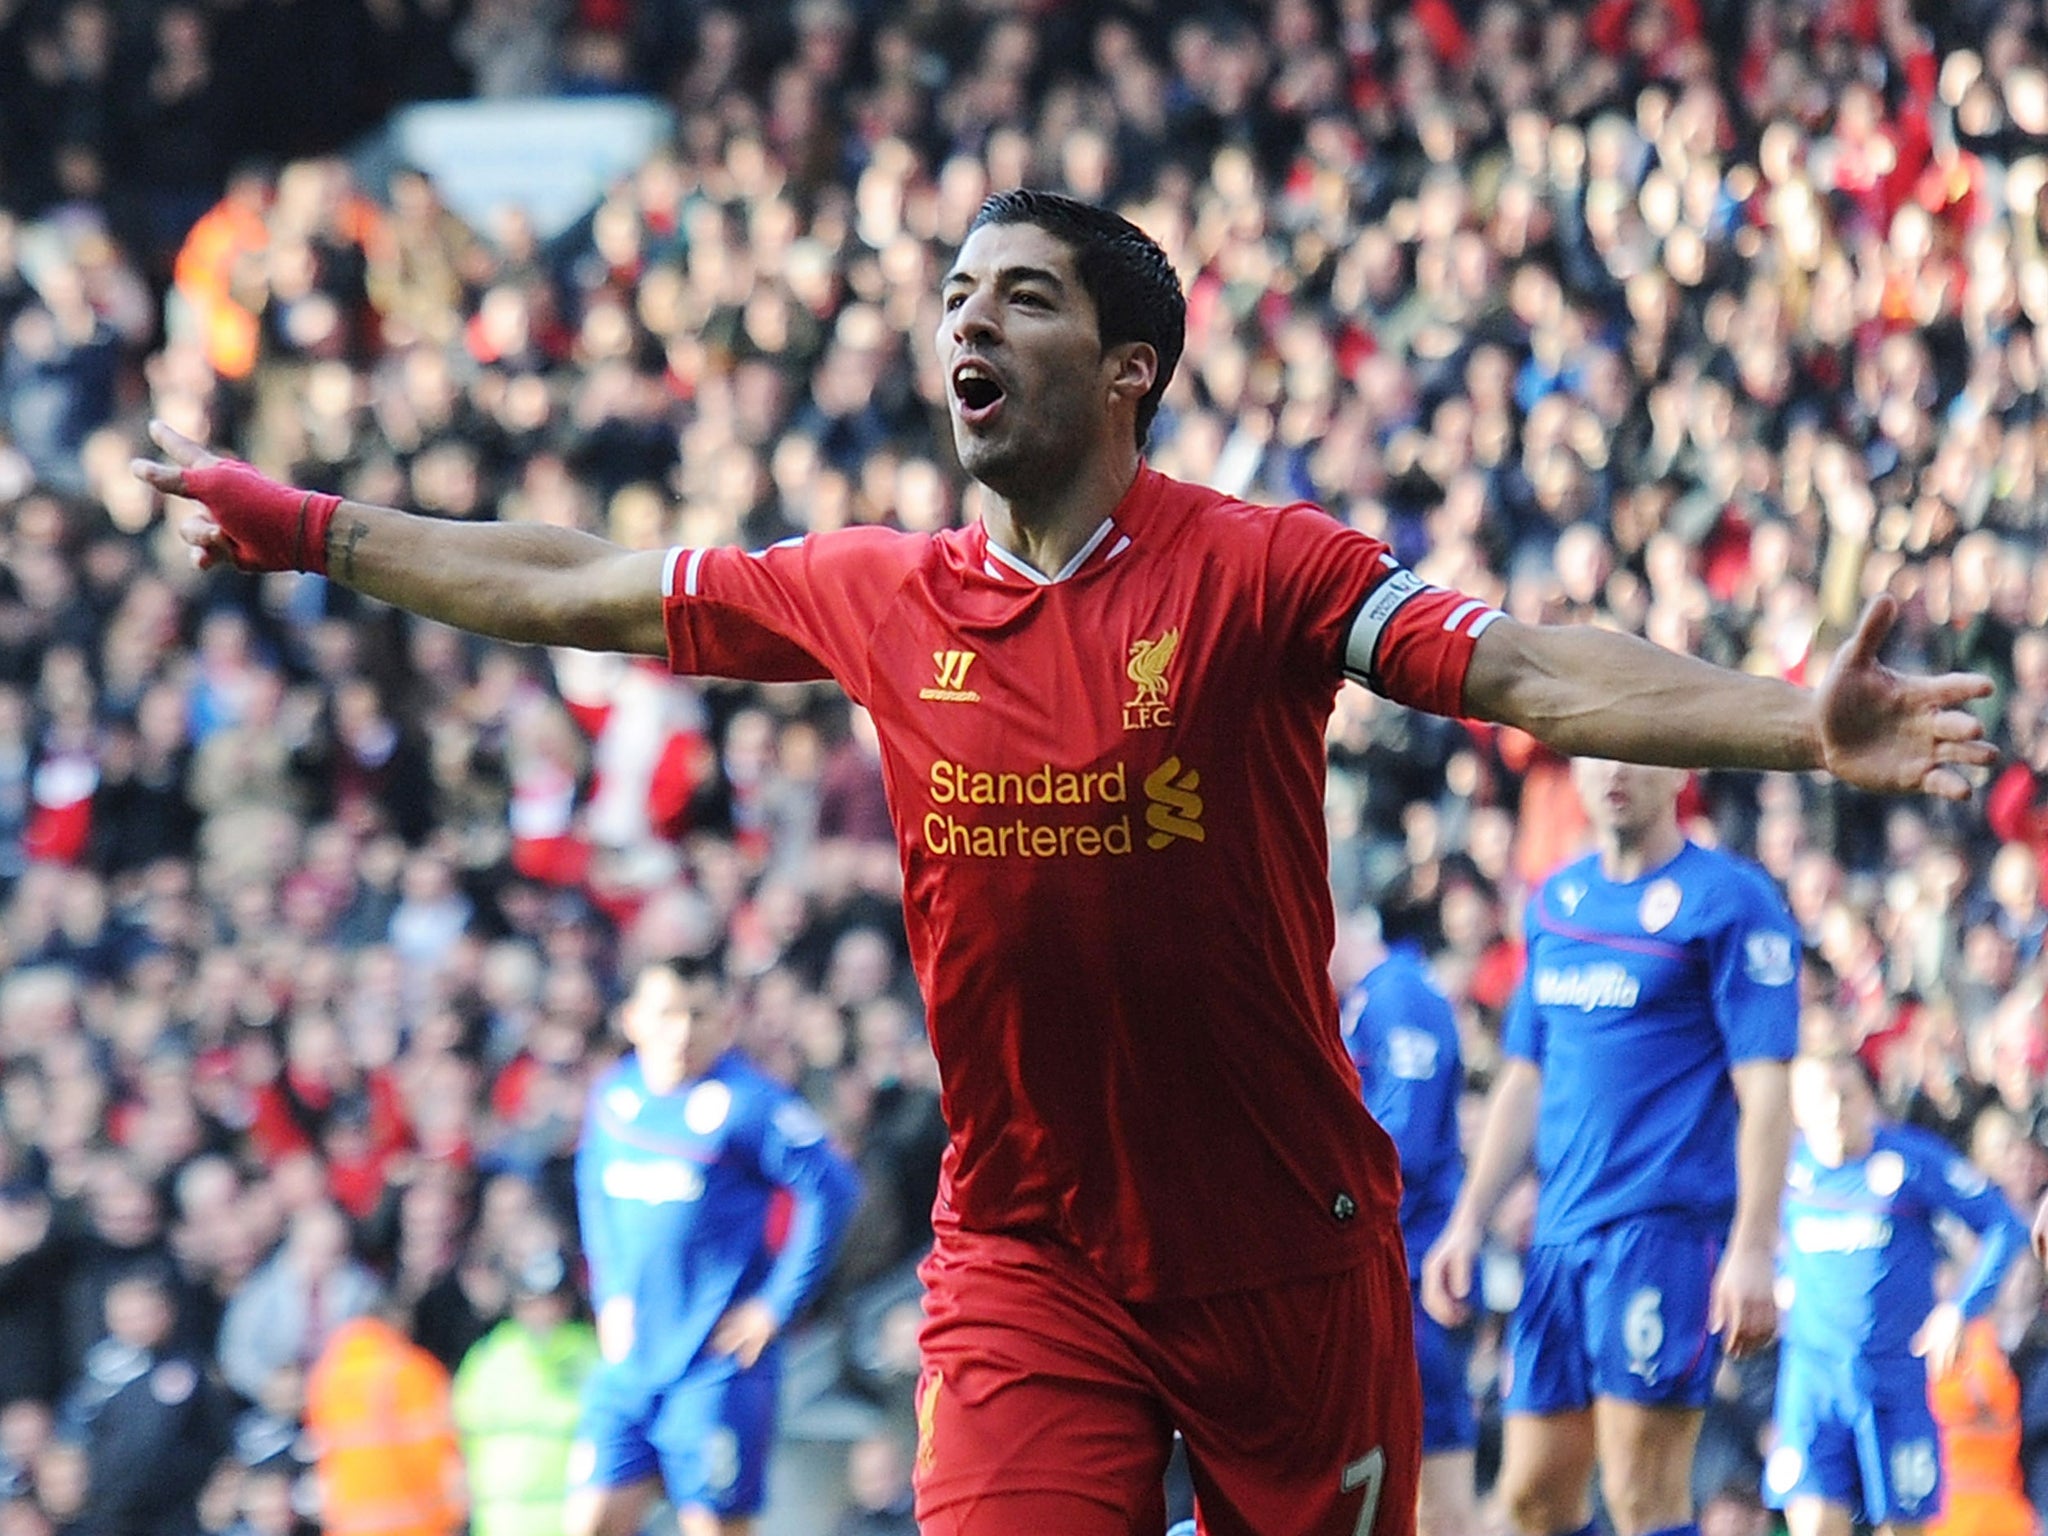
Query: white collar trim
column 1030, row 572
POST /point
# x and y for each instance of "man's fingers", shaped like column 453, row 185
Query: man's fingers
column 1953, row 724
column 1973, row 754
column 167, row 478
column 1945, row 784
column 1872, row 630
column 1949, row 690
column 181, row 449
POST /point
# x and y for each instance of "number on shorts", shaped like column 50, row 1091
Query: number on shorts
column 1368, row 1472
column 1915, row 1471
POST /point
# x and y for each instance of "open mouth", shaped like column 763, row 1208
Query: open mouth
column 979, row 392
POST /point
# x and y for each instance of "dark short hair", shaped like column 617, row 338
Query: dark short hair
column 1136, row 292
column 692, row 969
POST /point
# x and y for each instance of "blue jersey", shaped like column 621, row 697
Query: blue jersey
column 673, row 1193
column 1638, row 997
column 1861, row 1244
column 1404, row 1041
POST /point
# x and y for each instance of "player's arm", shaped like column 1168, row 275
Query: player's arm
column 611, row 1296
column 1597, row 693
column 1507, row 1137
column 1744, row 1307
column 1957, row 1186
column 796, row 1157
column 527, row 583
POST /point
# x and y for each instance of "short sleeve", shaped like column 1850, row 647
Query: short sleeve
column 797, row 611
column 1348, row 604
column 1753, row 955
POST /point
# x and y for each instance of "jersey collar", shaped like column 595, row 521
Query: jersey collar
column 1110, row 540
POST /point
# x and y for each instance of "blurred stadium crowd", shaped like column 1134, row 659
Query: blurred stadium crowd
column 1705, row 319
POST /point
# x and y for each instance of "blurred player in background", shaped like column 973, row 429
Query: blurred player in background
column 685, row 1147
column 1403, row 1038
column 1646, row 1071
column 1863, row 1332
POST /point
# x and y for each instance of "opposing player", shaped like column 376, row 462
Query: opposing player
column 1403, row 1038
column 1856, row 1436
column 684, row 1147
column 1646, row 1070
column 1101, row 712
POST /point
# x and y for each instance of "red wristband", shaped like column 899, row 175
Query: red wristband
column 269, row 527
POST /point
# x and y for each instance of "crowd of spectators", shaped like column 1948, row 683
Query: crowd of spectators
column 1704, row 319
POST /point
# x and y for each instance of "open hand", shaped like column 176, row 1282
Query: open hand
column 1898, row 734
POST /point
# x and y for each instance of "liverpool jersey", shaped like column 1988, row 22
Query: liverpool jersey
column 1107, row 787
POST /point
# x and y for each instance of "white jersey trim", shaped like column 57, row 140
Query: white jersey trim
column 1361, row 649
column 1031, row 573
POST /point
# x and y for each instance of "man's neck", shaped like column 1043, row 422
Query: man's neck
column 1046, row 531
column 1630, row 858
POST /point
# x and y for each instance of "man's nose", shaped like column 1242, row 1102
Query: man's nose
column 975, row 318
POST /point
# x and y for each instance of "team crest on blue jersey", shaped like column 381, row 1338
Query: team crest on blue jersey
column 707, row 1107
column 1884, row 1173
column 1659, row 905
column 623, row 1102
column 1966, row 1179
column 1411, row 1054
column 1767, row 959
column 1569, row 895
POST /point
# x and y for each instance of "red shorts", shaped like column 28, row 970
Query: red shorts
column 1299, row 1402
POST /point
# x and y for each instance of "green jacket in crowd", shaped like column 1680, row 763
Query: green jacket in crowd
column 517, row 1398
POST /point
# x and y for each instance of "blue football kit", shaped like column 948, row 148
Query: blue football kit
column 1403, row 1038
column 674, row 1196
column 1637, row 999
column 1860, row 1248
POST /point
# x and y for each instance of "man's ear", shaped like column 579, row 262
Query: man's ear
column 1133, row 367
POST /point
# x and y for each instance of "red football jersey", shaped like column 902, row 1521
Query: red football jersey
column 1108, row 796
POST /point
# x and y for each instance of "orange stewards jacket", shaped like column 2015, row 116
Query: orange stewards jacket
column 387, row 1459
column 1977, row 1405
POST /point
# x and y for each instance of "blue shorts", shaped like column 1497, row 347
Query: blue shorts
column 707, row 1437
column 1861, row 1437
column 1619, row 1313
column 1445, row 1356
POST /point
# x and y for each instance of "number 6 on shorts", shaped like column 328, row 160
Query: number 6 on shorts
column 1368, row 1472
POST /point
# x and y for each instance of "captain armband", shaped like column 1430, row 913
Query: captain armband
column 1437, row 629
column 1362, row 647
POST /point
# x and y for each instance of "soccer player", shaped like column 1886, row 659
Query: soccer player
column 1646, row 1053
column 685, row 1146
column 1403, row 1038
column 1101, row 712
column 1856, row 1435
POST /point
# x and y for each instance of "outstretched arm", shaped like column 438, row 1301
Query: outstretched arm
column 1596, row 693
column 539, row 585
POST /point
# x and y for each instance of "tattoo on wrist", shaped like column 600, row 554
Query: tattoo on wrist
column 354, row 534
